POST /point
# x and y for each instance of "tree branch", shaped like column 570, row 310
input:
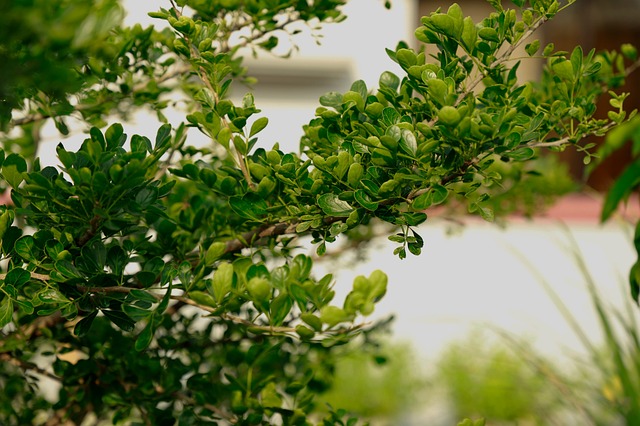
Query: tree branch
column 262, row 232
column 26, row 365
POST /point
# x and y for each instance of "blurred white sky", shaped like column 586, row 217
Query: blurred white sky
column 476, row 277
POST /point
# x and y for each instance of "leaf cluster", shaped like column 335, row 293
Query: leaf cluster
column 172, row 272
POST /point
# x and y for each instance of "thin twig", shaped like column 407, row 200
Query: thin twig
column 34, row 275
column 504, row 57
column 559, row 142
column 224, row 315
column 566, row 140
column 267, row 231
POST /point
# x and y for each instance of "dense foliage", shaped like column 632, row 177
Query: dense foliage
column 160, row 282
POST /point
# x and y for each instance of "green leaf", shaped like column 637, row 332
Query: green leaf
column 25, row 248
column 259, row 289
column 615, row 140
column 408, row 143
column 116, row 260
column 333, row 206
column 120, row 319
column 390, row 116
column 6, row 311
column 137, row 313
column 332, row 315
column 140, row 144
column 390, row 80
column 486, row 213
column 25, row 307
column 66, row 158
column 532, row 47
column 258, row 125
column 214, row 252
column 548, row 49
column 576, row 60
column 52, row 295
column 344, row 162
column 354, row 97
column 9, row 238
column 94, row 255
column 312, row 320
column 143, row 295
column 388, row 188
column 208, row 177
column 354, row 175
column 634, row 281
column 438, row 194
column 489, row 34
column 469, row 34
column 364, row 200
column 521, row 154
column 145, row 336
column 455, row 11
column 360, row 87
column 406, row 58
column 163, row 136
column 437, row 90
column 164, row 303
column 338, row 228
column 280, row 308
column 270, row 397
column 414, row 218
column 240, row 144
column 6, row 219
column 84, row 325
column 304, row 332
column 13, row 168
column 563, row 69
column 444, row 24
column 382, row 157
column 222, row 281
column 224, row 137
column 97, row 136
column 202, row 298
column 332, row 100
column 250, row 206
column 17, row 277
column 115, row 136
column 621, row 188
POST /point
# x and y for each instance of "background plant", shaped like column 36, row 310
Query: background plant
column 609, row 389
column 392, row 370
column 481, row 376
column 172, row 271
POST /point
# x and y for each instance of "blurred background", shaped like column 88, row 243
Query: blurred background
column 487, row 339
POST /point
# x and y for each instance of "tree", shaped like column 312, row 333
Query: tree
column 157, row 282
